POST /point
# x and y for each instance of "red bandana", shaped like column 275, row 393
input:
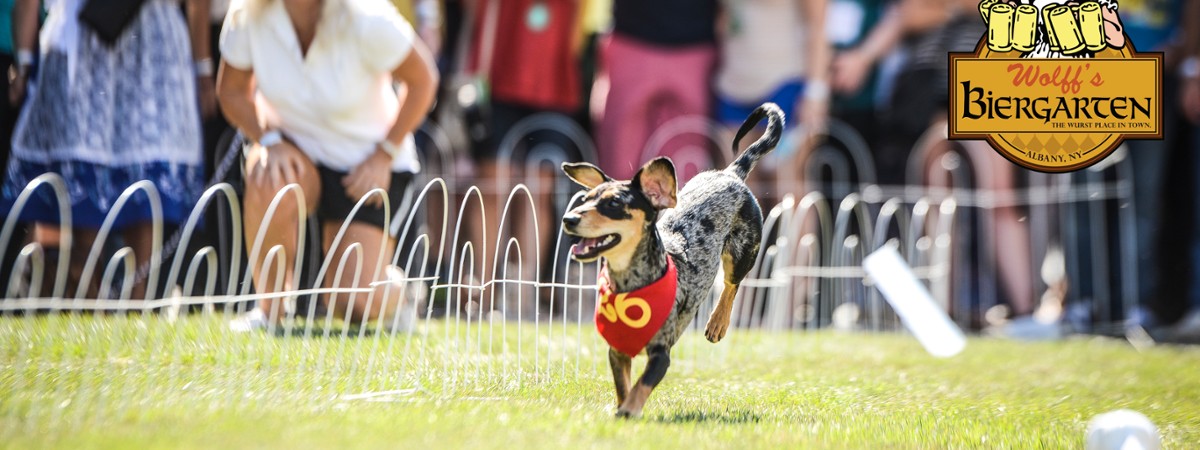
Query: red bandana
column 629, row 320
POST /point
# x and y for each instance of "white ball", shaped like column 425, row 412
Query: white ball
column 1122, row 430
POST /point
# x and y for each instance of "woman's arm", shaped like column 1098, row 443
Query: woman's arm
column 277, row 165
column 235, row 94
column 200, row 29
column 816, row 94
column 852, row 67
column 419, row 75
column 25, row 26
column 418, row 72
column 819, row 50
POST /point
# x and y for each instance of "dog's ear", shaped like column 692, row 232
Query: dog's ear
column 656, row 180
column 586, row 174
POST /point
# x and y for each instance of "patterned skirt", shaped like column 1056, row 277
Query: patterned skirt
column 115, row 116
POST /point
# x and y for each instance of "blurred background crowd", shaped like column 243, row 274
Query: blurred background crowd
column 631, row 79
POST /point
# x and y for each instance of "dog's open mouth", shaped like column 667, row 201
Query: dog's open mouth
column 588, row 248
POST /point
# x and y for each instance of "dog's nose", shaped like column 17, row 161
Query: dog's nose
column 572, row 219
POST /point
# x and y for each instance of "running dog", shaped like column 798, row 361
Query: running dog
column 661, row 255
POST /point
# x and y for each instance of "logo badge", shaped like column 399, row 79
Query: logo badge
column 1054, row 87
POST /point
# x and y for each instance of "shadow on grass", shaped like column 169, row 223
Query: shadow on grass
column 320, row 331
column 698, row 416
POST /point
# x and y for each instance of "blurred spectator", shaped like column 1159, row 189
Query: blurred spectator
column 214, row 129
column 860, row 44
column 1152, row 26
column 8, row 119
column 311, row 84
column 930, row 28
column 106, row 115
column 8, row 110
column 917, row 108
column 528, row 53
column 655, row 66
column 1189, row 73
column 595, row 22
column 206, row 69
column 758, row 64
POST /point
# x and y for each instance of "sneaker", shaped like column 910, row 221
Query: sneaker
column 1187, row 329
column 250, row 321
column 1027, row 328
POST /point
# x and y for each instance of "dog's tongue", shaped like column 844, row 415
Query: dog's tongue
column 584, row 245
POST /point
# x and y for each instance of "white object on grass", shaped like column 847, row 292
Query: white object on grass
column 1122, row 429
column 913, row 303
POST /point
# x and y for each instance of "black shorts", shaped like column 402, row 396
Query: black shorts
column 335, row 205
column 503, row 116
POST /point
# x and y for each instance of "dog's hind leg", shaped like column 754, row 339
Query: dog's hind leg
column 737, row 258
column 621, row 365
column 656, row 369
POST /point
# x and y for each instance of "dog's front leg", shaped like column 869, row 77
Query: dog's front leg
column 656, row 369
column 621, row 364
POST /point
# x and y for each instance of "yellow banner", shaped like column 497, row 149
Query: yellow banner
column 1023, row 95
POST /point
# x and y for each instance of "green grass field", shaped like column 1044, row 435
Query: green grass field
column 84, row 381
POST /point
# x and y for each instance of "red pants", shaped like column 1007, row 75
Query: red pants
column 650, row 85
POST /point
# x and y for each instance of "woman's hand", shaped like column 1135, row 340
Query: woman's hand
column 850, row 71
column 814, row 116
column 16, row 88
column 375, row 172
column 206, row 91
column 279, row 165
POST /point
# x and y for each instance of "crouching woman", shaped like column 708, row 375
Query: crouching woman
column 328, row 92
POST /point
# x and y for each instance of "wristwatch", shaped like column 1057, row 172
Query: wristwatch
column 391, row 149
column 203, row 67
column 21, row 66
column 270, row 138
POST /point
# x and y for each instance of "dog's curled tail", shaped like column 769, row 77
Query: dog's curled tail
column 745, row 163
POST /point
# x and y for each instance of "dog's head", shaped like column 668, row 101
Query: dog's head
column 615, row 215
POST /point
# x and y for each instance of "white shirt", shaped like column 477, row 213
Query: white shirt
column 764, row 48
column 337, row 101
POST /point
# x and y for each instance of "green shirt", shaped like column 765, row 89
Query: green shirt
column 851, row 21
column 6, row 28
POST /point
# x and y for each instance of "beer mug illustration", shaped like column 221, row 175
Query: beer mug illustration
column 984, row 6
column 1066, row 30
column 1091, row 25
column 1000, row 27
column 1050, row 36
column 1024, row 28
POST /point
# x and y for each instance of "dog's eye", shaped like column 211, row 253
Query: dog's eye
column 612, row 203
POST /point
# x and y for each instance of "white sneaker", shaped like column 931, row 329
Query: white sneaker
column 250, row 321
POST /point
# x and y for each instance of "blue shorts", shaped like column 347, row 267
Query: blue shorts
column 787, row 95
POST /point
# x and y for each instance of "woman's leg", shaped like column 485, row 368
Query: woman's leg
column 1011, row 244
column 281, row 228
column 140, row 238
column 376, row 250
column 625, row 126
column 81, row 247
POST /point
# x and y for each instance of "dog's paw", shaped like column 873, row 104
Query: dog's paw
column 623, row 413
column 716, row 330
